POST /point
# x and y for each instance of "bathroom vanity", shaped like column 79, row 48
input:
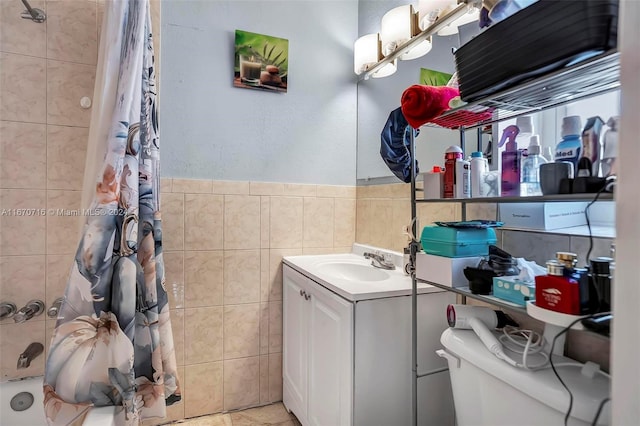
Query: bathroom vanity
column 347, row 344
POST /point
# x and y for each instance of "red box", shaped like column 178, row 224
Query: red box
column 556, row 293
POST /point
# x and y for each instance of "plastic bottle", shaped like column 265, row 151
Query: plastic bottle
column 433, row 181
column 525, row 130
column 478, row 169
column 510, row 182
column 570, row 147
column 463, row 186
column 452, row 154
column 530, row 185
column 610, row 147
column 589, row 162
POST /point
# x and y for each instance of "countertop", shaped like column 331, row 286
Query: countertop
column 390, row 284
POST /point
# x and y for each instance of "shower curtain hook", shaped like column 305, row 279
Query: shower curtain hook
column 36, row 15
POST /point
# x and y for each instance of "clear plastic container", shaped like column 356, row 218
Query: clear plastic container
column 530, row 185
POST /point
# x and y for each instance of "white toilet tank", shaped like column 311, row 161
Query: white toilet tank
column 488, row 391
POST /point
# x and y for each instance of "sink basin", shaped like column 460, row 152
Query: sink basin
column 353, row 271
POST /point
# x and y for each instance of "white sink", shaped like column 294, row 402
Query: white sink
column 353, row 271
column 353, row 277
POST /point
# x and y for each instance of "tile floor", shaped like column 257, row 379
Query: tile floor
column 269, row 415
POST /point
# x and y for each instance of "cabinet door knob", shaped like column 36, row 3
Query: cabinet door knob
column 302, row 292
column 307, row 296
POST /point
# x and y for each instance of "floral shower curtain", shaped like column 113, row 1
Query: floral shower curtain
column 112, row 345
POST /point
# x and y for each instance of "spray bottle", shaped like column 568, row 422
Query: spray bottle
column 510, row 184
column 530, row 185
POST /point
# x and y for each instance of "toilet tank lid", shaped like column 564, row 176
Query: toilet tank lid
column 541, row 385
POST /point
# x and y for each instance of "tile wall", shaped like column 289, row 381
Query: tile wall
column 223, row 245
column 383, row 212
column 44, row 71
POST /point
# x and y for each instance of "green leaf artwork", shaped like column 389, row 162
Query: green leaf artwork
column 433, row 78
column 261, row 62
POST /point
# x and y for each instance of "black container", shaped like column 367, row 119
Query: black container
column 601, row 279
column 541, row 38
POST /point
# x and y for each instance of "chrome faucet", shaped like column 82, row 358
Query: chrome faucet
column 378, row 261
column 30, row 310
column 29, row 354
column 54, row 309
column 7, row 309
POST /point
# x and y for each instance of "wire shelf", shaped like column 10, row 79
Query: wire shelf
column 605, row 196
column 591, row 77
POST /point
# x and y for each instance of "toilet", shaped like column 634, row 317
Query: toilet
column 488, row 391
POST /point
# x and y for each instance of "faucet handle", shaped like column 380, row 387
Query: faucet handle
column 30, row 310
column 53, row 310
column 7, row 309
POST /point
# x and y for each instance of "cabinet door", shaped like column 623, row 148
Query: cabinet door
column 295, row 342
column 330, row 359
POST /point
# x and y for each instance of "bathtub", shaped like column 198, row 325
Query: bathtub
column 34, row 415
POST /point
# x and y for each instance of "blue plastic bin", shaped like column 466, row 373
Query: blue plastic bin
column 457, row 242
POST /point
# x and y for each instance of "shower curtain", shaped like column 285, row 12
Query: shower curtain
column 112, row 344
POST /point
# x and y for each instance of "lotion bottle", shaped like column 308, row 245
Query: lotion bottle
column 478, row 168
column 510, row 182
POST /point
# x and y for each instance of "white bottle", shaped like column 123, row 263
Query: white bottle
column 525, row 130
column 478, row 169
column 462, row 184
column 610, row 147
column 530, row 185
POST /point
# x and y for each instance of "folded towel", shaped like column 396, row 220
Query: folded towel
column 421, row 103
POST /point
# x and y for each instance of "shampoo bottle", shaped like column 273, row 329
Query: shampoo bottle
column 570, row 147
column 478, row 169
column 530, row 185
column 510, row 182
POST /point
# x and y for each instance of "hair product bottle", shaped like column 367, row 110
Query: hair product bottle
column 452, row 154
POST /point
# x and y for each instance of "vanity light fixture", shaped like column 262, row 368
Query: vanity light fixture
column 366, row 53
column 430, row 10
column 398, row 26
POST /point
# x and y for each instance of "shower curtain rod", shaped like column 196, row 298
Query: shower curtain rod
column 36, row 15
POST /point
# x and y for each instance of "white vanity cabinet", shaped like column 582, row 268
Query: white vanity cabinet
column 348, row 362
column 318, row 352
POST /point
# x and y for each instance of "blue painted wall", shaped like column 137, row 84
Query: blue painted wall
column 212, row 130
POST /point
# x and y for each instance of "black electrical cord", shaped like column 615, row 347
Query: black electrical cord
column 595, row 419
column 586, row 215
column 553, row 344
